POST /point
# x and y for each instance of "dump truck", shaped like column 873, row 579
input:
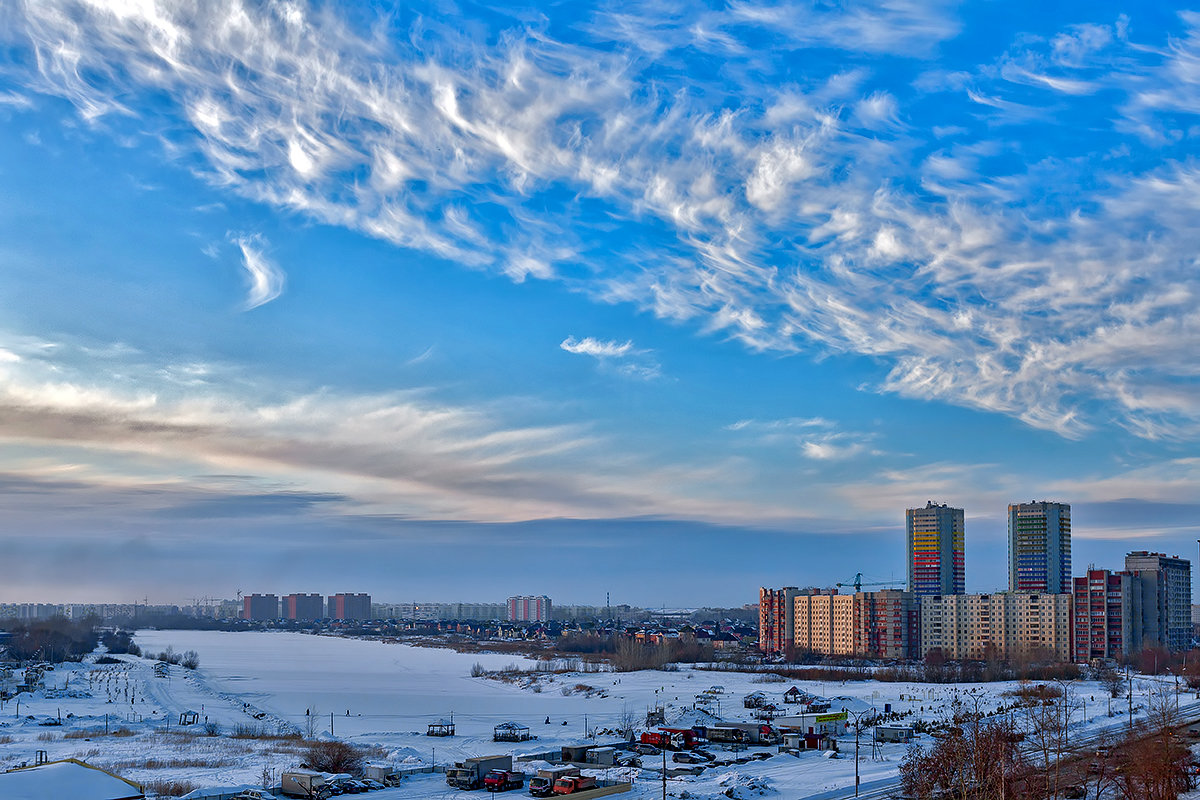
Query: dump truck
column 676, row 739
column 542, row 784
column 302, row 783
column 574, row 783
column 469, row 774
column 501, row 780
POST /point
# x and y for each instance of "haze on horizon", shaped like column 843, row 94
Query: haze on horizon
column 450, row 302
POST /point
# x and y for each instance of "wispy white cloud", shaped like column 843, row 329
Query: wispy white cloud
column 265, row 278
column 814, row 438
column 598, row 348
column 783, row 214
column 621, row 357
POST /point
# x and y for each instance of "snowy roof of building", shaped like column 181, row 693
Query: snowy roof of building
column 68, row 778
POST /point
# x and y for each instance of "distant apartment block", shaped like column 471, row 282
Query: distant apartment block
column 1104, row 615
column 349, row 606
column 473, row 612
column 871, row 624
column 936, row 554
column 1168, row 622
column 1039, row 548
column 532, row 608
column 303, row 606
column 260, row 607
column 775, row 618
column 1005, row 625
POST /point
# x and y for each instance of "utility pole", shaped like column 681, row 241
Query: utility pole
column 1129, row 675
column 664, row 755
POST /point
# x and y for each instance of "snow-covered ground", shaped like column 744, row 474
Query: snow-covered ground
column 383, row 695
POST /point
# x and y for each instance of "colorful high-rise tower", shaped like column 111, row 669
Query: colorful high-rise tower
column 936, row 552
column 1039, row 548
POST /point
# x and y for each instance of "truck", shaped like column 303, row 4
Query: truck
column 501, row 780
column 469, row 774
column 302, row 783
column 542, row 784
column 574, row 783
column 666, row 740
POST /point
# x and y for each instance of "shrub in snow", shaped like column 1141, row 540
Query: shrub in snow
column 334, row 756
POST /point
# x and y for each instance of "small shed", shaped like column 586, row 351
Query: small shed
column 893, row 733
column 576, row 754
column 440, row 728
column 602, row 756
column 792, row 695
column 511, row 732
column 188, row 718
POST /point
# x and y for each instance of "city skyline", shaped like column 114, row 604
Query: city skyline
column 618, row 298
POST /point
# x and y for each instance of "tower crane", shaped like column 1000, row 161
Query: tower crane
column 857, row 582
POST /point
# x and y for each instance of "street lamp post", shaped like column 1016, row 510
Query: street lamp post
column 857, row 729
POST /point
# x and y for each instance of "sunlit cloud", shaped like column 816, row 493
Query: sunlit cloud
column 265, row 278
column 782, row 214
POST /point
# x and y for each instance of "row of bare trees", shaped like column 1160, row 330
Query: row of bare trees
column 1029, row 754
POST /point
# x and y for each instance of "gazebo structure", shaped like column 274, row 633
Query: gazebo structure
column 440, row 728
column 511, row 732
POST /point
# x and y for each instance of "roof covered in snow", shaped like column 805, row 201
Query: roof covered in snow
column 69, row 778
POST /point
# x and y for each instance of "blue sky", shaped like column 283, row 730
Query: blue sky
column 452, row 301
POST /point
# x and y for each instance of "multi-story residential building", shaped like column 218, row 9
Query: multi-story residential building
column 936, row 554
column 872, row 624
column 473, row 612
column 1104, row 612
column 1005, row 625
column 1168, row 622
column 1039, row 548
column 349, row 606
column 885, row 624
column 776, row 618
column 260, row 607
column 532, row 608
column 303, row 606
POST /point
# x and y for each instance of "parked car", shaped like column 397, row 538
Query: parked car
column 254, row 794
column 372, row 784
column 646, row 750
column 687, row 758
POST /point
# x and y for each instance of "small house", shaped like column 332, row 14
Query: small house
column 792, row 695
column 754, row 700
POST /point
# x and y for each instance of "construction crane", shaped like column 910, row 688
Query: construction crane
column 858, row 583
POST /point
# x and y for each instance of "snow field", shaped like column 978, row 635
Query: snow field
column 383, row 695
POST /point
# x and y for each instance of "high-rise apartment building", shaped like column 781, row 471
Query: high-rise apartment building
column 1005, row 625
column 303, row 606
column 349, row 606
column 775, row 618
column 260, row 607
column 1039, row 548
column 1172, row 597
column 936, row 554
column 1104, row 615
column 529, row 609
